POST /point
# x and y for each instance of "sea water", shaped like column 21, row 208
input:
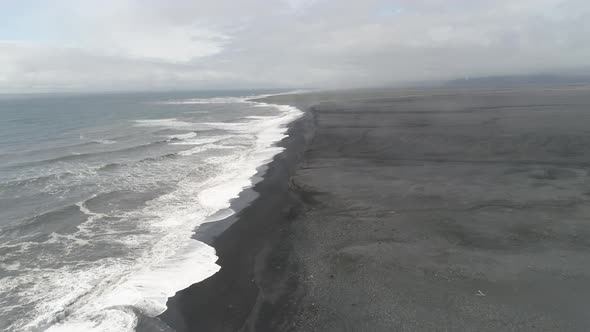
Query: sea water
column 100, row 195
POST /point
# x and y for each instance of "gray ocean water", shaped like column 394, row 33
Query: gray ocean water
column 100, row 194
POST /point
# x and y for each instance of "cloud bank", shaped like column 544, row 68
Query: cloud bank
column 67, row 45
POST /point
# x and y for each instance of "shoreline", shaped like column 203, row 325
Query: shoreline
column 246, row 242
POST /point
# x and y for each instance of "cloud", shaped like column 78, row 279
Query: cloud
column 153, row 44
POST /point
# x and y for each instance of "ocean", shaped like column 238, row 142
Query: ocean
column 100, row 196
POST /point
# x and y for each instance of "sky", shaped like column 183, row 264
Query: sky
column 82, row 45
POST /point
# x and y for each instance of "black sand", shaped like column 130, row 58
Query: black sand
column 253, row 250
column 413, row 211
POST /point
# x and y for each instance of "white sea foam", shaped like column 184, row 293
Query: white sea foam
column 226, row 100
column 202, row 148
column 104, row 295
column 258, row 117
column 165, row 123
column 105, row 141
column 183, row 136
column 221, row 100
column 220, row 215
column 201, row 141
column 10, row 267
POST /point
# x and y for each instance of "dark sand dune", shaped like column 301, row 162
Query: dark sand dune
column 416, row 211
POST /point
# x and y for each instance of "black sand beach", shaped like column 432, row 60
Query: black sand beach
column 446, row 210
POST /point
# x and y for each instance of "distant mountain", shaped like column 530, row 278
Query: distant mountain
column 519, row 80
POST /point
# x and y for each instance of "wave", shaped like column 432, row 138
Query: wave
column 184, row 136
column 83, row 156
column 178, row 139
column 113, row 166
column 204, row 140
column 203, row 148
column 228, row 100
column 54, row 150
column 104, row 141
column 38, row 228
column 221, row 100
column 34, row 180
column 61, row 175
column 167, row 123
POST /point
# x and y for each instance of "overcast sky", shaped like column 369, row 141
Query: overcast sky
column 57, row 45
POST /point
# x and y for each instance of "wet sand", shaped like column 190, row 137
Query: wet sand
column 416, row 210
